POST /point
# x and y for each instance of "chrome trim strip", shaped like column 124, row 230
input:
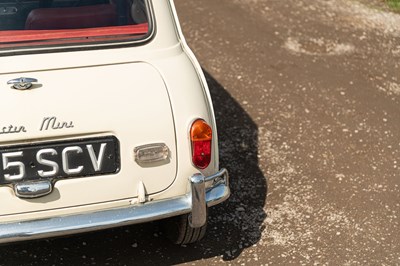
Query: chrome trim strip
column 141, row 213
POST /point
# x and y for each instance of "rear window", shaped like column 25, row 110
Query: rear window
column 38, row 23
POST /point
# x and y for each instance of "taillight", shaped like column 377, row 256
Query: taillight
column 201, row 137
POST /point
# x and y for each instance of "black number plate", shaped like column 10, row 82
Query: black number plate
column 75, row 158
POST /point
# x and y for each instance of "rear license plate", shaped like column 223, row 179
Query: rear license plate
column 74, row 158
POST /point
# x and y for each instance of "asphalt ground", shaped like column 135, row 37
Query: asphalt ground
column 307, row 99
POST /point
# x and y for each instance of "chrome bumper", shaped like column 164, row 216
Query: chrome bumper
column 195, row 202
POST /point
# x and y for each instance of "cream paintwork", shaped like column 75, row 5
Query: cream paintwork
column 121, row 110
column 188, row 95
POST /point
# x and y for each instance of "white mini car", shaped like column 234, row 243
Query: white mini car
column 105, row 120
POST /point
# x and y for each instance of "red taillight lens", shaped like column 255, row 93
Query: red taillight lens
column 201, row 137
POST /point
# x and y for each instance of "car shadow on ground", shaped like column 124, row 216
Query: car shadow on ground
column 233, row 225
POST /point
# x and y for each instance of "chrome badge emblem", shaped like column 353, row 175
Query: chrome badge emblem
column 22, row 83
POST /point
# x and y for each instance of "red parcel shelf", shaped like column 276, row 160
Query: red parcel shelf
column 42, row 35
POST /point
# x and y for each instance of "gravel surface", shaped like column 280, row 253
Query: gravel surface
column 307, row 99
column 320, row 83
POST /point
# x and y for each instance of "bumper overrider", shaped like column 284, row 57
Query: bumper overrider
column 206, row 191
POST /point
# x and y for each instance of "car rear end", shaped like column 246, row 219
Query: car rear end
column 106, row 119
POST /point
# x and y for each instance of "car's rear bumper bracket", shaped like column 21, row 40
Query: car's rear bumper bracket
column 202, row 197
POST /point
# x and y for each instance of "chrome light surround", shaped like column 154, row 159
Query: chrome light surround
column 151, row 153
